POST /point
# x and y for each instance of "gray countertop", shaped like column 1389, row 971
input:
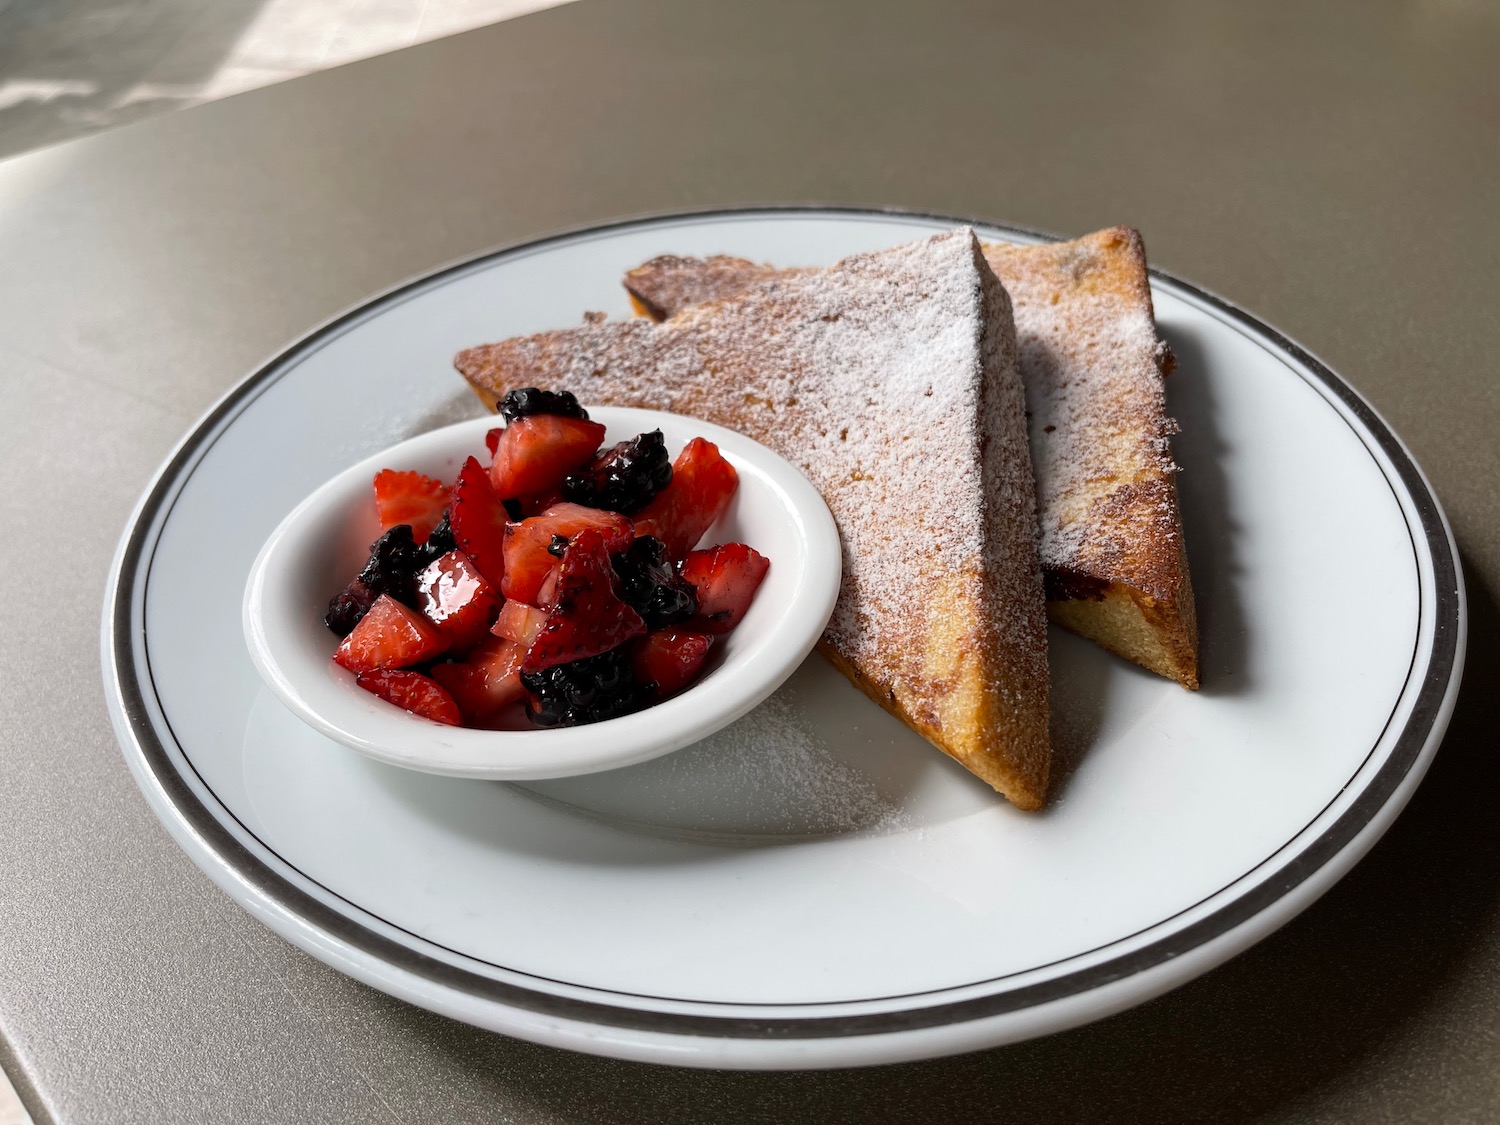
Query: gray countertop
column 1333, row 170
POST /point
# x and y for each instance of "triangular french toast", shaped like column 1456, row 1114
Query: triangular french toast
column 1111, row 532
column 890, row 379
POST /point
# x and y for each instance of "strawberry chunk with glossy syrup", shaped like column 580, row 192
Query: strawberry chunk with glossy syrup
column 519, row 622
column 411, row 498
column 488, row 679
column 670, row 659
column 390, row 635
column 478, row 521
column 454, row 596
column 725, row 579
column 414, row 692
column 568, row 519
column 527, row 596
column 536, row 452
column 702, row 485
column 527, row 559
column 588, row 618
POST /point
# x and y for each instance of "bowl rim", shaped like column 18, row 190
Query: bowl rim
column 362, row 721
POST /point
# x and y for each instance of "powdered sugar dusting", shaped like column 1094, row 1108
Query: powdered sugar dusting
column 781, row 777
column 767, row 778
column 1099, row 432
column 889, row 435
column 1092, row 366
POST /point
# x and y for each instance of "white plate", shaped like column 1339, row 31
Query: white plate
column 813, row 886
column 325, row 540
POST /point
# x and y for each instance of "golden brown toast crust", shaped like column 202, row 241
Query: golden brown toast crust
column 1111, row 531
column 890, row 379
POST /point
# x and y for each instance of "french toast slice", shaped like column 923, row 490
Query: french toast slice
column 890, row 379
column 1112, row 549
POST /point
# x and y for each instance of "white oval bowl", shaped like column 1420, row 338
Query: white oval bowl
column 323, row 543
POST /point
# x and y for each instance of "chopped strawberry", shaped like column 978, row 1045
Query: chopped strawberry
column 478, row 520
column 537, row 451
column 725, row 579
column 411, row 498
column 487, row 680
column 670, row 659
column 536, row 505
column 519, row 622
column 702, row 485
column 588, row 619
column 527, row 563
column 527, row 560
column 454, row 596
column 390, row 635
column 569, row 519
column 532, row 582
column 412, row 692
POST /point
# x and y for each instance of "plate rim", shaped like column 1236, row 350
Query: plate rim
column 319, row 929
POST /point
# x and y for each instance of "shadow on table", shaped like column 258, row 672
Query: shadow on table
column 74, row 68
column 1316, row 1001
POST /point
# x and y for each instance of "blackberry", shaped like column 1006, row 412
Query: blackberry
column 583, row 691
column 348, row 608
column 395, row 562
column 651, row 586
column 624, row 477
column 441, row 541
column 534, row 400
